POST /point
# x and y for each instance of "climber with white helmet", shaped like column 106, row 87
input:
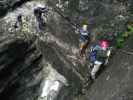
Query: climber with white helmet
column 39, row 10
column 84, row 38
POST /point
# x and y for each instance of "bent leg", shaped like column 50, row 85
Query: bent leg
column 95, row 70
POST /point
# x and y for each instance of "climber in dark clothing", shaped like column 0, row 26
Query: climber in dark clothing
column 18, row 21
column 38, row 12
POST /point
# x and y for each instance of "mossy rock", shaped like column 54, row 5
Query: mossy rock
column 125, row 35
column 120, row 45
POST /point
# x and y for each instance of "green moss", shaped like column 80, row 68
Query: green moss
column 130, row 28
column 125, row 35
column 120, row 43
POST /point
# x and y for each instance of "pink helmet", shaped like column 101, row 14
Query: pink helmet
column 104, row 44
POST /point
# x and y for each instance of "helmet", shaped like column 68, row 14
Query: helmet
column 104, row 44
column 85, row 27
column 40, row 6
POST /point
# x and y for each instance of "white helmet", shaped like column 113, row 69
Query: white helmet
column 85, row 27
column 40, row 6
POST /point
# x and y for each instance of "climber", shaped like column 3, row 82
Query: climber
column 18, row 22
column 39, row 11
column 22, row 25
column 97, row 56
column 84, row 39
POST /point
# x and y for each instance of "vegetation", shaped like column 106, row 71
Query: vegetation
column 123, row 36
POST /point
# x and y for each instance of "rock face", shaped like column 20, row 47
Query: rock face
column 20, row 69
column 104, row 15
column 20, row 61
column 6, row 5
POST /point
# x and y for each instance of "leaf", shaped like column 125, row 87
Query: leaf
column 125, row 35
column 120, row 43
column 130, row 28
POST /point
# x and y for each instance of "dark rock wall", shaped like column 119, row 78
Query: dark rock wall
column 9, row 5
column 20, row 69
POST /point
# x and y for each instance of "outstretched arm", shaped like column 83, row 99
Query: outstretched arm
column 44, row 10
